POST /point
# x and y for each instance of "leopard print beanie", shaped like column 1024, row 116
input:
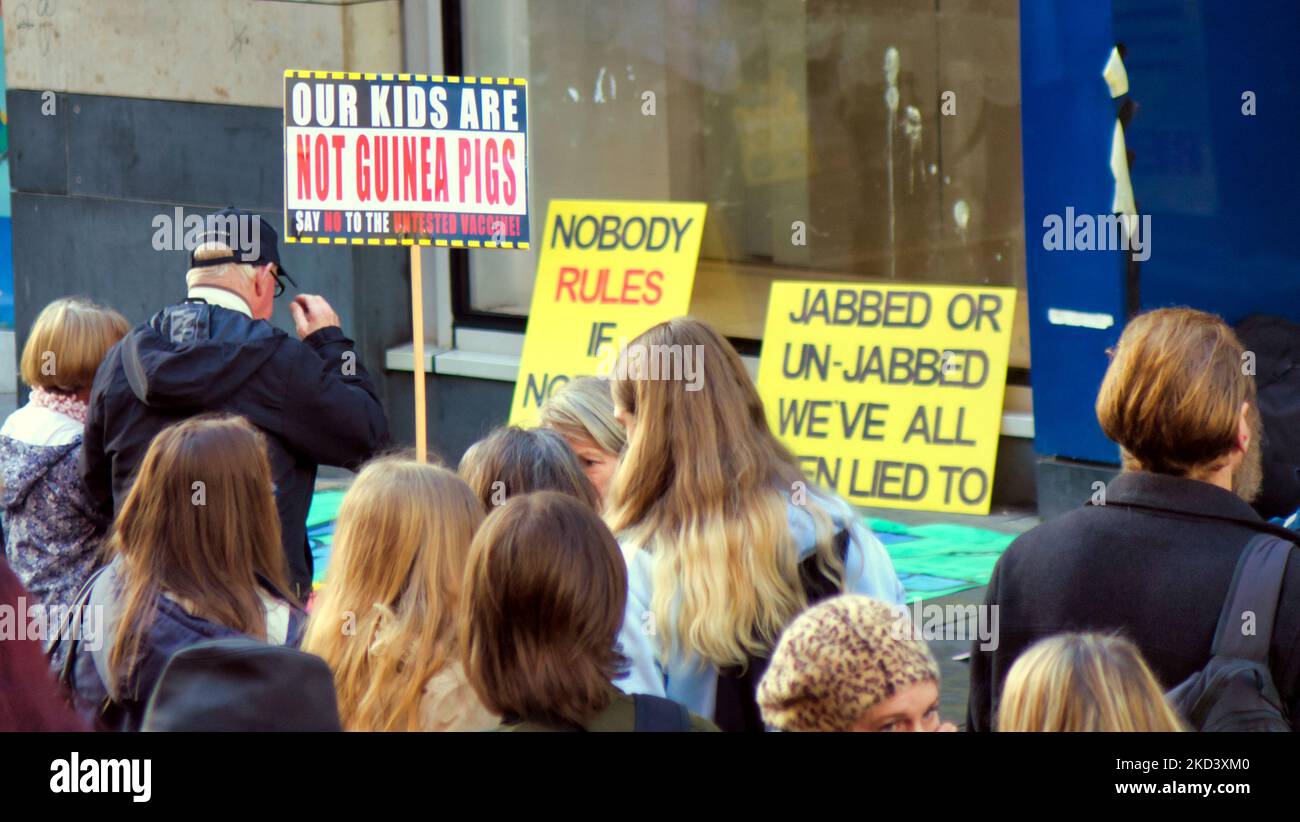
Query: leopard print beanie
column 839, row 659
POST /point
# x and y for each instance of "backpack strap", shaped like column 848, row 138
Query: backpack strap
column 658, row 715
column 70, row 629
column 1256, row 586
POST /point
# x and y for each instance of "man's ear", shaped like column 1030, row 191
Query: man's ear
column 260, row 283
column 1243, row 427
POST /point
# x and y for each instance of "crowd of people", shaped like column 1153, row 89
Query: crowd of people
column 650, row 558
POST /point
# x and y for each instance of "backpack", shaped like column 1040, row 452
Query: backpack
column 736, row 698
column 1235, row 689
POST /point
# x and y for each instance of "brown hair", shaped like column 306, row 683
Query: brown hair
column 1084, row 682
column 524, row 460
column 67, row 343
column 1173, row 393
column 544, row 595
column 200, row 524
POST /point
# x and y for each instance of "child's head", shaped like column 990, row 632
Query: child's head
column 67, row 343
column 851, row 663
column 199, row 523
column 583, row 413
column 1084, row 682
column 512, row 461
column 544, row 599
column 385, row 619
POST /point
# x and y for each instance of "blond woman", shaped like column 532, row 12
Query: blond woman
column 1084, row 682
column 385, row 618
column 725, row 539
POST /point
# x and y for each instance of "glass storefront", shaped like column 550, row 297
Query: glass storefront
column 831, row 139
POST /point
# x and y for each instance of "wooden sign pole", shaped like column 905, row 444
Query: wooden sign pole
column 417, row 352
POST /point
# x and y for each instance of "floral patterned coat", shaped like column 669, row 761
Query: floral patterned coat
column 52, row 532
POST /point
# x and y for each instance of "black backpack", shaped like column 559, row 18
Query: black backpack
column 736, row 698
column 1235, row 689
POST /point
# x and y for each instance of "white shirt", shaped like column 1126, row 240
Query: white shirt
column 215, row 295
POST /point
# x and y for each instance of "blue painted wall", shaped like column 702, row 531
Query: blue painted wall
column 1221, row 188
column 1067, row 118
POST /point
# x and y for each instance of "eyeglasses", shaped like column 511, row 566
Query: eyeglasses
column 279, row 283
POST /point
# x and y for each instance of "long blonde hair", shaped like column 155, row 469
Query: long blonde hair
column 385, row 618
column 1084, row 682
column 703, row 488
column 200, row 524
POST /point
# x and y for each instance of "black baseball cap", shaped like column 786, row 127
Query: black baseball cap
column 241, row 242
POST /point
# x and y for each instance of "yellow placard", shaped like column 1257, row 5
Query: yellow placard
column 608, row 271
column 890, row 394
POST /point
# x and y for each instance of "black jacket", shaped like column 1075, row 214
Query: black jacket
column 171, row 629
column 313, row 399
column 1154, row 563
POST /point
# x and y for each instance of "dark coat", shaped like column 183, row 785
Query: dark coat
column 171, row 629
column 1154, row 563
column 313, row 400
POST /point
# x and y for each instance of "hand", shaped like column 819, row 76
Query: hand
column 311, row 313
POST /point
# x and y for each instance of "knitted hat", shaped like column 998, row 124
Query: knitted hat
column 839, row 659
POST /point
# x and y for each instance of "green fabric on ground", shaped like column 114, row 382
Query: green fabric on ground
column 944, row 551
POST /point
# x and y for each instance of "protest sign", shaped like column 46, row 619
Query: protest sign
column 409, row 159
column 406, row 159
column 607, row 272
column 890, row 394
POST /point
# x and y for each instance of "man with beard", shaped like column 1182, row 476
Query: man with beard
column 1154, row 555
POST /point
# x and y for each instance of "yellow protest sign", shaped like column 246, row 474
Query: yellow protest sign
column 890, row 394
column 608, row 270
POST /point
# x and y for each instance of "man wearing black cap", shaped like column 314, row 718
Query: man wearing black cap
column 216, row 352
